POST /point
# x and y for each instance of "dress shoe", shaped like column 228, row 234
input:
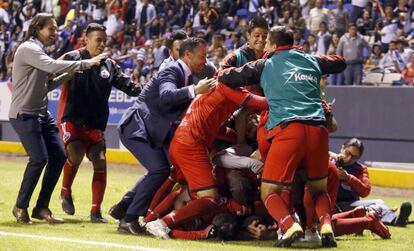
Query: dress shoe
column 117, row 212
column 67, row 204
column 97, row 218
column 130, row 227
column 21, row 214
column 46, row 214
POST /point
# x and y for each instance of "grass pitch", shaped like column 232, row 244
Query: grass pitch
column 79, row 234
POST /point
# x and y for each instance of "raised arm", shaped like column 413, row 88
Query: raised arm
column 248, row 74
column 331, row 64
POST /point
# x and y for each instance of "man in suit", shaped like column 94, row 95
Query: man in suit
column 147, row 127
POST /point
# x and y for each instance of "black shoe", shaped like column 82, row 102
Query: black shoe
column 117, row 212
column 97, row 218
column 403, row 215
column 130, row 228
column 67, row 204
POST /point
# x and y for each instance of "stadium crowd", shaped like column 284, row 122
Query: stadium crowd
column 373, row 36
column 207, row 130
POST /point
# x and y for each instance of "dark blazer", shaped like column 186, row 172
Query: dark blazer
column 160, row 104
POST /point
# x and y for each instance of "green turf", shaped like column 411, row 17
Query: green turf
column 119, row 180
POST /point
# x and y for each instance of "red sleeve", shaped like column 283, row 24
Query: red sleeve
column 360, row 183
column 242, row 97
column 331, row 64
column 226, row 134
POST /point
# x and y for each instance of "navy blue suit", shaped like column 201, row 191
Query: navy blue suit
column 146, row 129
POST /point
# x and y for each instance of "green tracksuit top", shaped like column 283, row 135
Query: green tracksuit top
column 290, row 80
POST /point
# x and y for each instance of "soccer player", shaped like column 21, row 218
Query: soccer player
column 290, row 80
column 30, row 118
column 83, row 115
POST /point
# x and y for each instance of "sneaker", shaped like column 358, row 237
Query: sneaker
column 377, row 227
column 210, row 231
column 403, row 215
column 327, row 236
column 117, row 212
column 312, row 239
column 67, row 204
column 158, row 228
column 292, row 234
column 97, row 218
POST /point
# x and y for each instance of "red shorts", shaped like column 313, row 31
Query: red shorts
column 88, row 136
column 294, row 146
column 194, row 162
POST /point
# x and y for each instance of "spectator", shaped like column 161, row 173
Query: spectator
column 145, row 13
column 296, row 22
column 351, row 47
column 268, row 11
column 373, row 62
column 160, row 53
column 316, row 16
column 334, row 79
column 323, row 39
column 402, row 54
column 339, row 18
column 358, row 7
column 388, row 63
column 114, row 24
column 365, row 24
column 408, row 72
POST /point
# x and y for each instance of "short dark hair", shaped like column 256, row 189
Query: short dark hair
column 190, row 44
column 177, row 35
column 257, row 22
column 281, row 35
column 94, row 27
column 355, row 143
column 352, row 25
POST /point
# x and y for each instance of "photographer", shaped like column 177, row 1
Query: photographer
column 355, row 183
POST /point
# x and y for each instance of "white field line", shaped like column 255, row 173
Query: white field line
column 93, row 243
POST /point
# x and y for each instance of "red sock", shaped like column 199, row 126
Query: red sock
column 166, row 205
column 309, row 206
column 69, row 173
column 354, row 213
column 98, row 190
column 161, row 193
column 194, row 209
column 277, row 208
column 191, row 235
column 323, row 208
column 333, row 184
column 351, row 226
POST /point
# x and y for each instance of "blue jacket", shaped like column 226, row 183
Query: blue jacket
column 158, row 108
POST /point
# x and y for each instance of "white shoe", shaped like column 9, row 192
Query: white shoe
column 158, row 228
column 312, row 239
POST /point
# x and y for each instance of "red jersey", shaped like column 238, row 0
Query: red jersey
column 209, row 111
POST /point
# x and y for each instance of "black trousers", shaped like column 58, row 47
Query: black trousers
column 40, row 139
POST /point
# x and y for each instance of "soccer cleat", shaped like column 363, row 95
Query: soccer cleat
column 327, row 236
column 210, row 232
column 117, row 212
column 158, row 228
column 292, row 234
column 377, row 227
column 312, row 239
column 67, row 204
column 403, row 215
column 97, row 218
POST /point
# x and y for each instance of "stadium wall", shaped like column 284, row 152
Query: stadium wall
column 382, row 117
